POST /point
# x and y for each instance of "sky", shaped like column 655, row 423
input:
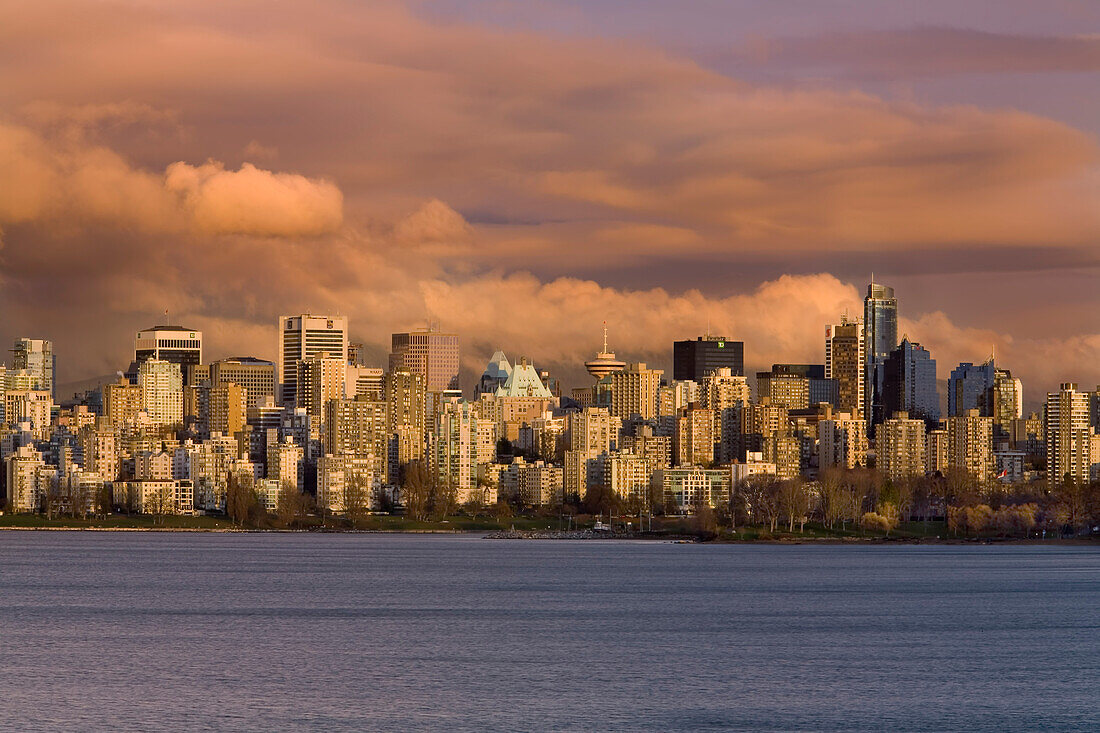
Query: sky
column 520, row 172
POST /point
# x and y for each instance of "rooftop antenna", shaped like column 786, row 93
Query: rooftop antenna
column 605, row 337
column 167, row 320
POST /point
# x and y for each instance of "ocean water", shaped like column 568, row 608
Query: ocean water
column 159, row 631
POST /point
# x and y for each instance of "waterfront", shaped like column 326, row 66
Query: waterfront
column 134, row 631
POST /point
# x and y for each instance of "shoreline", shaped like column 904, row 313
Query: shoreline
column 590, row 535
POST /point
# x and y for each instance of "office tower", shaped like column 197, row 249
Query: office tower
column 1068, row 435
column 37, row 357
column 842, row 441
column 430, row 353
column 303, row 337
column 365, row 382
column 696, row 359
column 968, row 388
column 256, row 376
column 496, row 373
column 605, row 362
column 355, row 354
column 161, row 384
column 173, row 344
column 796, row 386
column 880, row 337
column 634, row 391
column 693, row 441
column 320, row 379
column 900, row 447
column 909, row 382
column 970, row 444
column 846, row 362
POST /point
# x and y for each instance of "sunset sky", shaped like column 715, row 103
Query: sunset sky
column 521, row 171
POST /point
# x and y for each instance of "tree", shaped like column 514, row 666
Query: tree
column 355, row 496
column 241, row 501
column 444, row 499
column 416, row 490
column 794, row 502
column 103, row 504
column 1070, row 495
column 292, row 505
column 475, row 504
column 703, row 517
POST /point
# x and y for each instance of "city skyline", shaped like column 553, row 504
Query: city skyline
column 643, row 170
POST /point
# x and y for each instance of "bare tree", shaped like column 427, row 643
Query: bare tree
column 355, row 496
column 794, row 502
column 444, row 499
column 416, row 490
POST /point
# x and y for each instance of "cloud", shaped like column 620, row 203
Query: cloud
column 255, row 201
column 930, row 52
column 433, row 222
column 66, row 182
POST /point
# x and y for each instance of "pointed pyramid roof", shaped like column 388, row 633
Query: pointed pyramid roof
column 524, row 382
column 498, row 367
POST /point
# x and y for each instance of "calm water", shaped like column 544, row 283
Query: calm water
column 117, row 631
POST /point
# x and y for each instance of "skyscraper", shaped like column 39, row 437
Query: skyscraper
column 909, row 382
column 845, row 361
column 303, row 337
column 428, row 352
column 880, row 337
column 968, row 388
column 37, row 357
column 174, row 344
column 693, row 360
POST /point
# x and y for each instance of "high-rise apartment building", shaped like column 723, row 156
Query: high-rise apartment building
column 846, row 362
column 430, row 353
column 302, row 337
column 970, row 444
column 796, row 386
column 900, row 447
column 694, row 360
column 320, row 379
column 880, row 337
column 936, row 452
column 173, row 344
column 909, row 382
column 726, row 394
column 161, row 384
column 357, row 426
column 693, row 441
column 406, row 401
column 842, row 441
column 37, row 357
column 1068, row 435
column 122, row 401
column 634, row 391
column 1006, row 403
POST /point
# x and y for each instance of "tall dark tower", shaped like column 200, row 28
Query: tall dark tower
column 880, row 333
